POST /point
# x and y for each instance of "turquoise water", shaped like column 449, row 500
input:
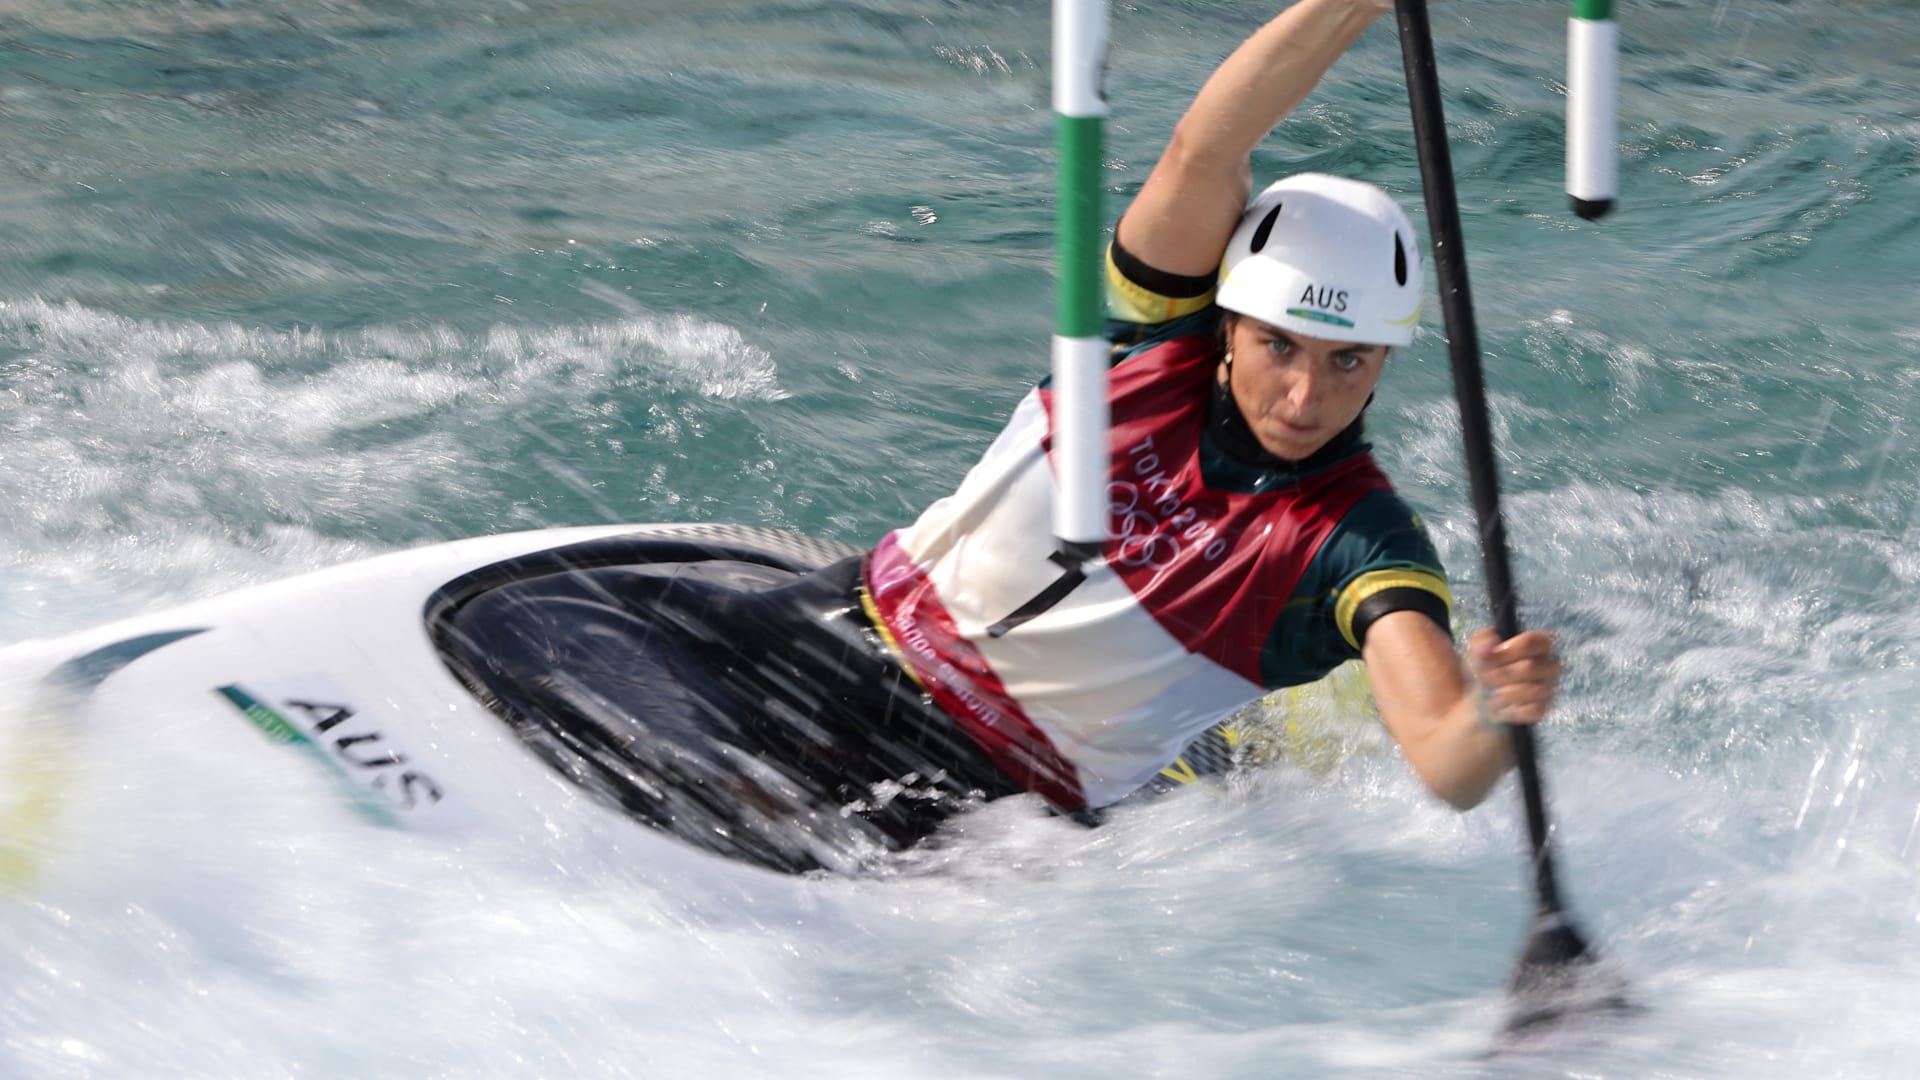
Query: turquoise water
column 285, row 284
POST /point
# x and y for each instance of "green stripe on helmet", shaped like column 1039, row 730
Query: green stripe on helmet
column 1318, row 316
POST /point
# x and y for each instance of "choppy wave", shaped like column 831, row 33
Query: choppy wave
column 173, row 459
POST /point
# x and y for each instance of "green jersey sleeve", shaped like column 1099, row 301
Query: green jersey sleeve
column 1379, row 559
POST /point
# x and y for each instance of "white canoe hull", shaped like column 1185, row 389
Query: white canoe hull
column 331, row 673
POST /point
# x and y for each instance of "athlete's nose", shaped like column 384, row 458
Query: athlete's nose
column 1305, row 387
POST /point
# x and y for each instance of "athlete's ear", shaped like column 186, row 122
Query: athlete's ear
column 1228, row 322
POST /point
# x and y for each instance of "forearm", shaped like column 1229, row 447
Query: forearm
column 1463, row 756
column 1268, row 77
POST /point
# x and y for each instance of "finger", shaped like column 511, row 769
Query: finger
column 1524, row 717
column 1523, row 695
column 1480, row 647
column 1532, row 669
column 1525, row 643
column 1523, row 702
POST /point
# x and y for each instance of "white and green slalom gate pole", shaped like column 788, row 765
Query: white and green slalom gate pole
column 1593, row 79
column 1079, row 339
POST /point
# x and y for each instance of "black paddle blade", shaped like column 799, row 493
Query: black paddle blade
column 1559, row 976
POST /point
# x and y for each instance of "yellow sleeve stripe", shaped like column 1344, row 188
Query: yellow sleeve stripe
column 1364, row 587
column 1130, row 301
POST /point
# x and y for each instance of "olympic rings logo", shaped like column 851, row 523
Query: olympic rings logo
column 1148, row 540
column 1141, row 542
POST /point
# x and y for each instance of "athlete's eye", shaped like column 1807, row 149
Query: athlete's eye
column 1347, row 361
column 1279, row 346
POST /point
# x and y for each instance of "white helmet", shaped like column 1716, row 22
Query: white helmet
column 1326, row 257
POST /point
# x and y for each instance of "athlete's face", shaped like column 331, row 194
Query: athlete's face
column 1297, row 392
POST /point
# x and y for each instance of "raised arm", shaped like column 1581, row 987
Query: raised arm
column 1185, row 212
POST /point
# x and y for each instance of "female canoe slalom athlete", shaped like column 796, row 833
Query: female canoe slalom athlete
column 1254, row 545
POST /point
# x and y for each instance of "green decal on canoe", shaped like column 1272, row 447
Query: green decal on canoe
column 364, row 801
column 276, row 726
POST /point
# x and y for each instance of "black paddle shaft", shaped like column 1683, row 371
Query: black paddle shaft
column 1463, row 349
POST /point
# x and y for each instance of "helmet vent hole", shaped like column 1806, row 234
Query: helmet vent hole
column 1399, row 259
column 1266, row 229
